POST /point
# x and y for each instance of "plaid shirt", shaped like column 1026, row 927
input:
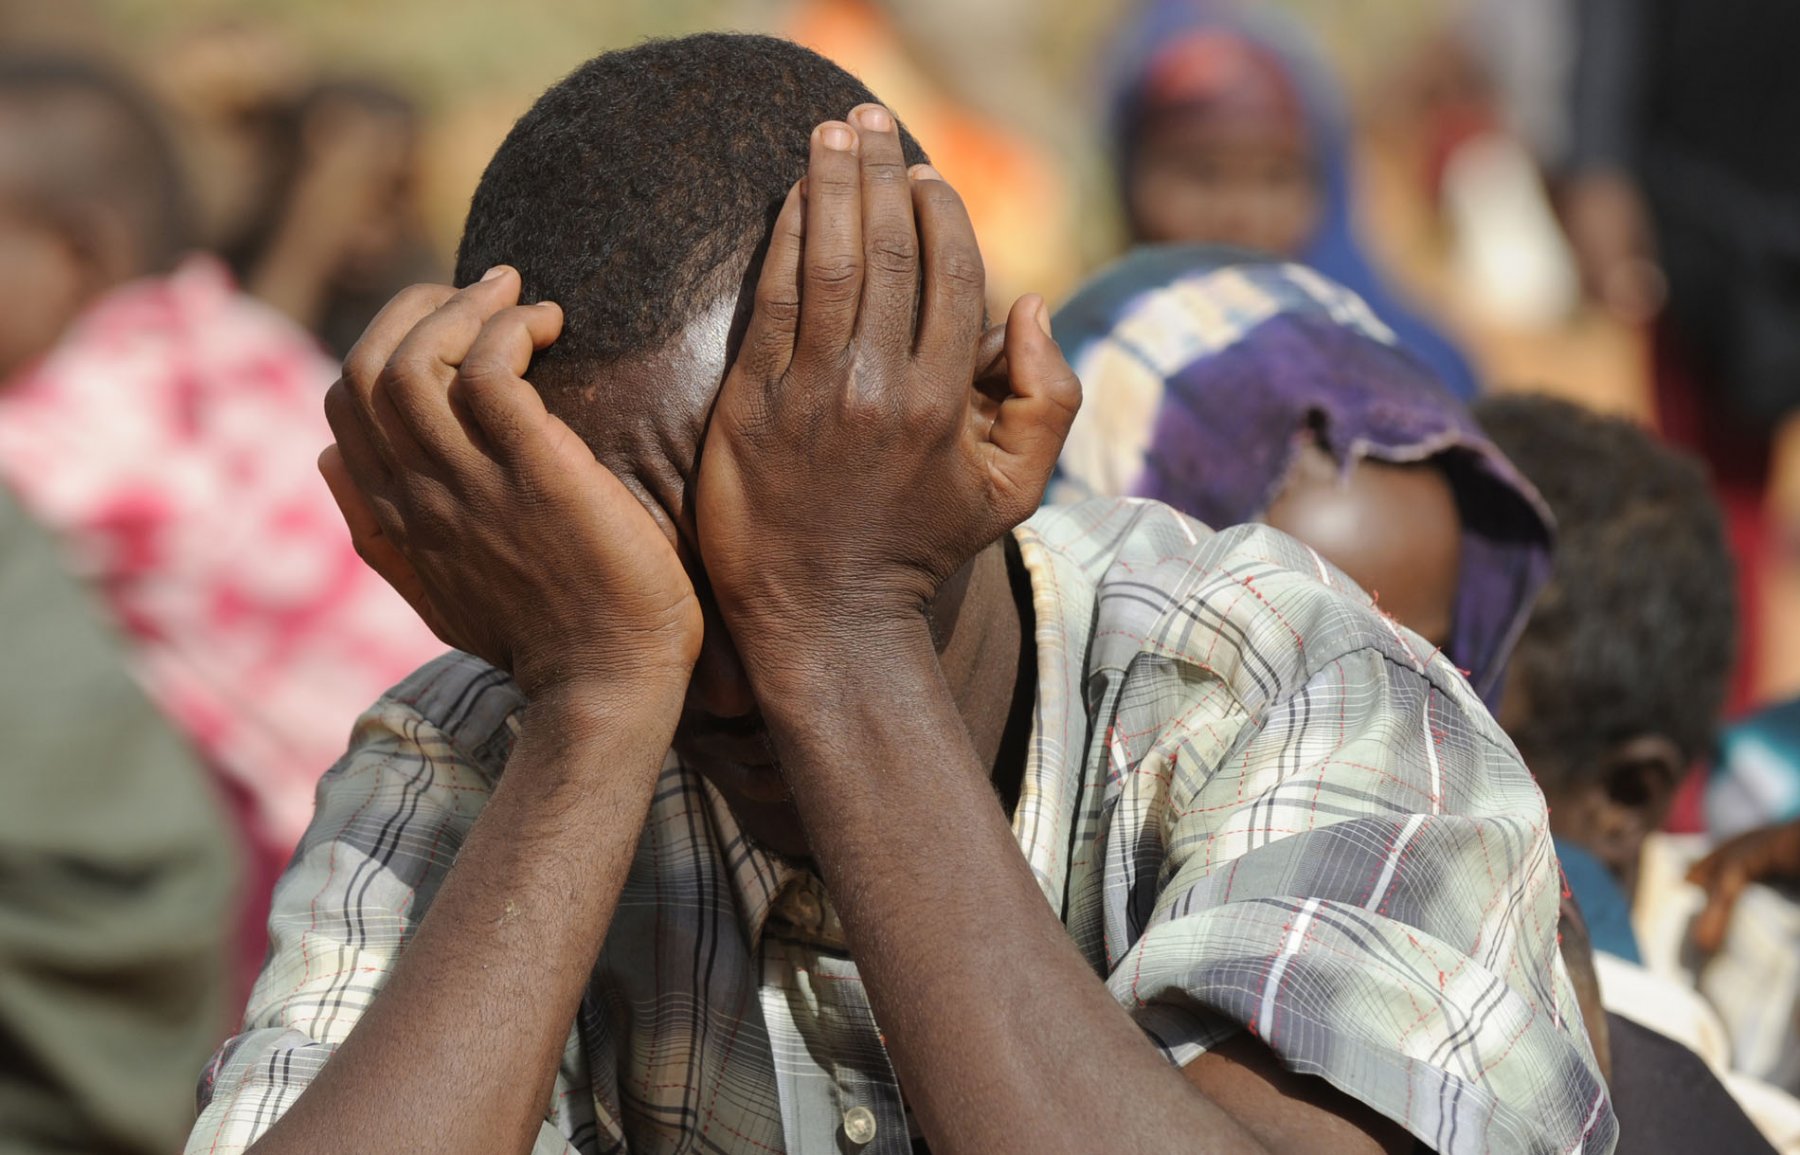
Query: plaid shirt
column 1256, row 803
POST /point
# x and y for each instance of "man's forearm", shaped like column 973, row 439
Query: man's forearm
column 1003, row 1037
column 458, row 1053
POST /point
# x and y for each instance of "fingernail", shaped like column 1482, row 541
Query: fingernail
column 874, row 118
column 496, row 271
column 924, row 172
column 836, row 137
column 1043, row 318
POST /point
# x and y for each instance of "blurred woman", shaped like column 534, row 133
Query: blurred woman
column 1227, row 128
column 1236, row 388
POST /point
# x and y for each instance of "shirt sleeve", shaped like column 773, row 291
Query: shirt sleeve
column 1358, row 870
column 391, row 817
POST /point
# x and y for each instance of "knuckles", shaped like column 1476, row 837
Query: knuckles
column 880, row 170
column 960, row 267
column 369, row 355
column 421, row 298
column 835, row 279
column 484, row 375
column 412, row 369
column 894, row 251
column 782, row 310
column 363, row 364
column 340, row 408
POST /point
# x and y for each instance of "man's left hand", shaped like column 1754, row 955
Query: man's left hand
column 853, row 463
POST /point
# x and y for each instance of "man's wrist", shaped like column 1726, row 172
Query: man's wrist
column 799, row 655
column 596, row 706
column 811, row 687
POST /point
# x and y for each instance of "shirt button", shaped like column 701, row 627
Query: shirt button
column 859, row 1125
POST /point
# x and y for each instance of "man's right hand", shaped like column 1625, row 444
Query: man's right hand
column 487, row 513
column 515, row 544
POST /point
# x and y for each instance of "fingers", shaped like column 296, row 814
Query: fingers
column 1770, row 852
column 490, row 383
column 372, row 350
column 415, row 382
column 768, row 346
column 1033, row 422
column 832, row 271
column 356, row 438
column 954, row 296
column 890, row 238
column 378, row 551
column 369, row 357
column 372, row 544
column 1726, row 883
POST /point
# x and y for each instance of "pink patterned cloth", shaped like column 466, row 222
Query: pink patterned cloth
column 170, row 440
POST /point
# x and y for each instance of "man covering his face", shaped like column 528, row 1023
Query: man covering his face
column 795, row 792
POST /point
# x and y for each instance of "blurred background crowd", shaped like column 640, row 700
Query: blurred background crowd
column 203, row 202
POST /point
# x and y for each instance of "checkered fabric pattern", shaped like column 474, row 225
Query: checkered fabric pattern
column 1257, row 803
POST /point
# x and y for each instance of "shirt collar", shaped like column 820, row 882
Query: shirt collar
column 759, row 879
column 1063, row 603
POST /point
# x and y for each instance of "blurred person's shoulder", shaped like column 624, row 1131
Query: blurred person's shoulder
column 194, row 325
column 181, row 364
column 201, row 305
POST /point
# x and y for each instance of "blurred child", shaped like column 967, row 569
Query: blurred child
column 1227, row 128
column 165, row 427
column 1614, row 693
column 1235, row 388
column 1619, row 678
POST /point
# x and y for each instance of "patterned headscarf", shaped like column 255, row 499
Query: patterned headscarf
column 1207, row 370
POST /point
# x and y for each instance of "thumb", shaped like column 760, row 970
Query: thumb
column 1042, row 399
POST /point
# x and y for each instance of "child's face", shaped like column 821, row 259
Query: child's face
column 1224, row 153
column 41, row 273
column 1225, row 178
column 1608, row 808
column 1393, row 528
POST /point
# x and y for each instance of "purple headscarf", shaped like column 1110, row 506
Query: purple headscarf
column 1207, row 370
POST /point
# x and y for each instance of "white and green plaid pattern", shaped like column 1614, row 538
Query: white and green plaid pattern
column 1256, row 802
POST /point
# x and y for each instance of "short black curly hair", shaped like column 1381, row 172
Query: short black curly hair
column 1635, row 634
column 639, row 189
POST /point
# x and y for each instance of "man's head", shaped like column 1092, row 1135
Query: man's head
column 637, row 194
column 90, row 196
column 638, row 190
column 1617, row 682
